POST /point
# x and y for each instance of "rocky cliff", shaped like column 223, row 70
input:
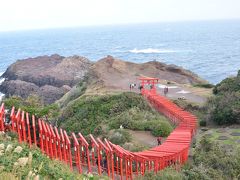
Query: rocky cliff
column 117, row 74
column 50, row 77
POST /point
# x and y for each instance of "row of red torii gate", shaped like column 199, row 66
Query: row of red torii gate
column 95, row 155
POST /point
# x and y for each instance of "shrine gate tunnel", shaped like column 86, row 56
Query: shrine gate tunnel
column 99, row 155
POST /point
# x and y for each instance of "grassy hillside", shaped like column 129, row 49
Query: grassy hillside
column 224, row 107
column 209, row 161
column 19, row 162
column 95, row 114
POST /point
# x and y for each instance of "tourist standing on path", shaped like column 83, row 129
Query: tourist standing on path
column 165, row 90
column 159, row 140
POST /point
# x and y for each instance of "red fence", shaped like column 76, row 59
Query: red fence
column 100, row 156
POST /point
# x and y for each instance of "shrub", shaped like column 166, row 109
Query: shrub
column 160, row 129
column 224, row 107
column 87, row 113
column 206, row 85
column 120, row 137
column 203, row 123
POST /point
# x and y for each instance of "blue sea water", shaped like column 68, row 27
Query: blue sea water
column 209, row 48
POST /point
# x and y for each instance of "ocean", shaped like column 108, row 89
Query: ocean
column 210, row 49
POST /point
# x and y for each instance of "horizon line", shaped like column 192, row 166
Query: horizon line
column 116, row 24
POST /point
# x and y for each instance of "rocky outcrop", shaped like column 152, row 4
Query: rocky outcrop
column 50, row 77
column 117, row 74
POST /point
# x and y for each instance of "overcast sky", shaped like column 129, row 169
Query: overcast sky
column 35, row 14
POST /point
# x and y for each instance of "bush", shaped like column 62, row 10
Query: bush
column 206, row 85
column 214, row 162
column 203, row 123
column 224, row 107
column 160, row 129
column 120, row 137
column 130, row 110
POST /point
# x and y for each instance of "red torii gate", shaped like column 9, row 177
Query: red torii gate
column 148, row 81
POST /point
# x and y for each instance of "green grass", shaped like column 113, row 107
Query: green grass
column 88, row 114
column 40, row 165
column 230, row 141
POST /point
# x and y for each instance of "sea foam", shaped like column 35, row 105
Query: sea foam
column 152, row 51
column 1, row 81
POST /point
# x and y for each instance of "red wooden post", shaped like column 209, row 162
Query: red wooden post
column 29, row 131
column 54, row 141
column 94, row 143
column 19, row 128
column 121, row 167
column 34, row 130
column 41, row 135
column 59, row 149
column 23, row 127
column 77, row 155
column 126, row 168
column 110, row 157
column 49, row 138
column 12, row 117
column 1, row 117
column 83, row 140
column 16, row 121
column 131, row 170
column 45, row 138
column 68, row 149
column 63, row 146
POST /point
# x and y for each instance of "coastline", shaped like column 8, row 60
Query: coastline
column 1, row 81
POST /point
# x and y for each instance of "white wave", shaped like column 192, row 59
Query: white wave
column 1, row 96
column 1, row 80
column 152, row 51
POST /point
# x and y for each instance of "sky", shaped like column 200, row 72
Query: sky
column 41, row 14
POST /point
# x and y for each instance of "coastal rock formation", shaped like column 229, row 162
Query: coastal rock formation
column 117, row 74
column 50, row 77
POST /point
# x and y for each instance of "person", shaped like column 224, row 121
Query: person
column 165, row 91
column 159, row 140
column 130, row 86
column 101, row 164
column 105, row 164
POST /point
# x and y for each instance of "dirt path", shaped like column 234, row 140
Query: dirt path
column 182, row 93
column 143, row 137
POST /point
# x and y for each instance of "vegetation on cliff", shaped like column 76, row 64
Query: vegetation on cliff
column 33, row 105
column 210, row 161
column 224, row 107
column 91, row 114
